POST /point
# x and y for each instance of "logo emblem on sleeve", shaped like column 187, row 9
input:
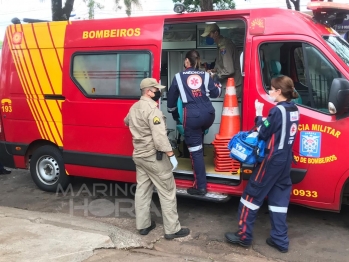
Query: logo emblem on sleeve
column 156, row 121
column 266, row 123
column 294, row 116
column 293, row 129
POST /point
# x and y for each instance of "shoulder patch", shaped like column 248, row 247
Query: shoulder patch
column 294, row 116
column 156, row 120
column 223, row 51
column 266, row 123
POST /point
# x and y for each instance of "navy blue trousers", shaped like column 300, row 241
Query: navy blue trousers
column 197, row 118
column 270, row 179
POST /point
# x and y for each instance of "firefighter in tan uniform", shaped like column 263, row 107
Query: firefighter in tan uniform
column 227, row 60
column 154, row 161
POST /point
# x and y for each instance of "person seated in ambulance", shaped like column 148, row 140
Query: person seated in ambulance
column 227, row 61
column 194, row 87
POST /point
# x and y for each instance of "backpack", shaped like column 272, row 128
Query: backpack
column 246, row 148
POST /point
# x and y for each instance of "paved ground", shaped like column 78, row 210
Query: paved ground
column 314, row 235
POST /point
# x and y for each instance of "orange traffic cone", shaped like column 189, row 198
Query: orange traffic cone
column 230, row 125
column 230, row 121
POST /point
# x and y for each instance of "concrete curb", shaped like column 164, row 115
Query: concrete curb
column 37, row 236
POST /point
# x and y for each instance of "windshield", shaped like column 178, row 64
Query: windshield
column 340, row 46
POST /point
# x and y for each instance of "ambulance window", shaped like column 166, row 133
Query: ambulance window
column 111, row 75
column 315, row 73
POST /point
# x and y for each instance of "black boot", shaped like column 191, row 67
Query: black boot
column 145, row 231
column 5, row 172
column 271, row 243
column 183, row 232
column 195, row 191
column 234, row 238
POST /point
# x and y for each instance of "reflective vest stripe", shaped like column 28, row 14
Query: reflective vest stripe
column 194, row 148
column 207, row 78
column 171, row 109
column 278, row 209
column 249, row 204
column 283, row 127
column 181, row 88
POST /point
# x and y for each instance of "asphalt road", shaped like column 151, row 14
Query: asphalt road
column 314, row 235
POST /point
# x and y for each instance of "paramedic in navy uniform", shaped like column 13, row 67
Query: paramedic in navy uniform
column 272, row 177
column 194, row 88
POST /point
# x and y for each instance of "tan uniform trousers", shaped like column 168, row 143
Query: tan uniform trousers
column 152, row 172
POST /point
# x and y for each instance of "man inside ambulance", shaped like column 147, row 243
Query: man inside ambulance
column 227, row 61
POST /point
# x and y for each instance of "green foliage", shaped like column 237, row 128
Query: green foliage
column 92, row 5
column 129, row 4
column 194, row 5
column 0, row 44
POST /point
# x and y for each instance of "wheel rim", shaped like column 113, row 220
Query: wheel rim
column 47, row 170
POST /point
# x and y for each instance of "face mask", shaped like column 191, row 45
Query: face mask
column 157, row 95
column 271, row 98
column 209, row 40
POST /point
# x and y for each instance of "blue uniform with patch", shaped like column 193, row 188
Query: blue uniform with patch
column 272, row 177
column 194, row 87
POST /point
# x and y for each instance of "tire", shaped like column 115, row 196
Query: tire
column 47, row 169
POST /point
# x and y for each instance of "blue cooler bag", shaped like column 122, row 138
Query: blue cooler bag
column 246, row 148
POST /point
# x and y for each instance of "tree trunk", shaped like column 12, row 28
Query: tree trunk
column 67, row 9
column 56, row 7
column 206, row 5
column 59, row 13
column 296, row 4
column 288, row 3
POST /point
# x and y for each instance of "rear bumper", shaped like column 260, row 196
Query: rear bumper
column 8, row 151
column 6, row 158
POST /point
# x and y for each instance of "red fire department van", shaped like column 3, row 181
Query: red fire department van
column 65, row 88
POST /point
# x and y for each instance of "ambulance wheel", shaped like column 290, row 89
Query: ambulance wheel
column 47, row 169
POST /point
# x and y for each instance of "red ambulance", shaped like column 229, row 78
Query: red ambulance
column 65, row 88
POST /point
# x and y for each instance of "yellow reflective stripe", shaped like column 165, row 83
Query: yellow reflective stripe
column 17, row 56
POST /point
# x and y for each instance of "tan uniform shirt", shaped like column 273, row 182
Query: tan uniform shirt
column 228, row 61
column 148, row 128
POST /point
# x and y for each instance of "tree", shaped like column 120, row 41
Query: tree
column 129, row 4
column 92, row 5
column 60, row 13
column 296, row 4
column 206, row 5
column 0, row 44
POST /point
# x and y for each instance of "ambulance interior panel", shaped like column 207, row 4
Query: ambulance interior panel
column 178, row 39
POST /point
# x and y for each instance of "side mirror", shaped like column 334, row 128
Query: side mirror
column 338, row 102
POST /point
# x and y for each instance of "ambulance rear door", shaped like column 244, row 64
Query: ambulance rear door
column 107, row 61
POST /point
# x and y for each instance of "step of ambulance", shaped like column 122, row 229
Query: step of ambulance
column 210, row 196
column 229, row 179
